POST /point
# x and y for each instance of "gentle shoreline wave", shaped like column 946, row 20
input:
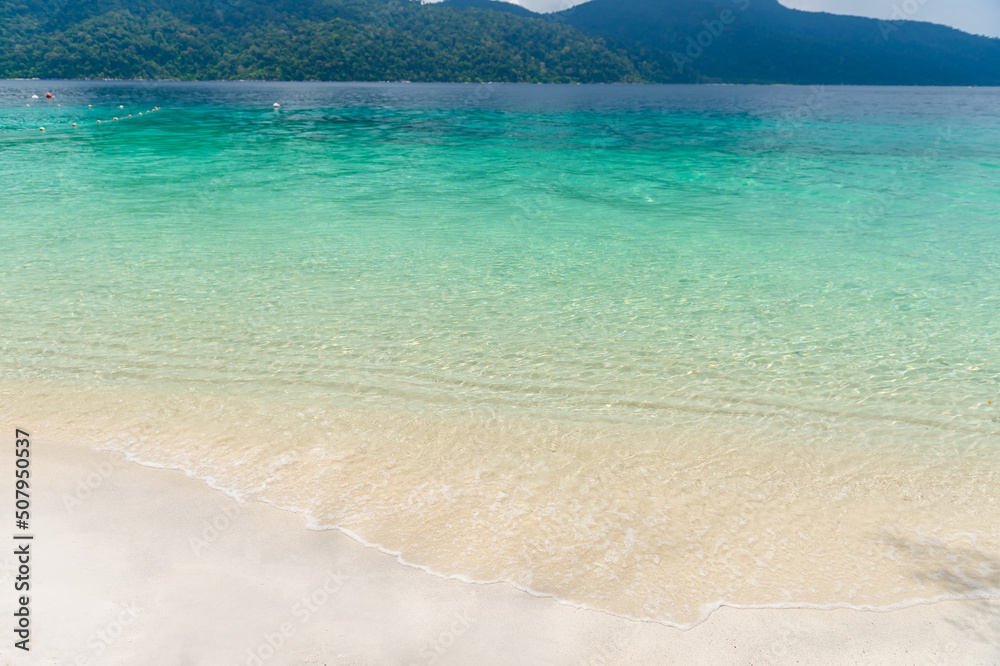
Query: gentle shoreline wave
column 790, row 524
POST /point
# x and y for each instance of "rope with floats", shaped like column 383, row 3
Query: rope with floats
column 49, row 95
column 276, row 106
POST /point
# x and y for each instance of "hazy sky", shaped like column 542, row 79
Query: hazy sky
column 981, row 17
column 976, row 16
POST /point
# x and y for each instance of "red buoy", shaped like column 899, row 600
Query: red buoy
column 48, row 95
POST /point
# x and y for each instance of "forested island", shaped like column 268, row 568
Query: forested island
column 603, row 41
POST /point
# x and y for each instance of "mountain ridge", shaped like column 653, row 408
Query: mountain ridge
column 762, row 41
column 620, row 41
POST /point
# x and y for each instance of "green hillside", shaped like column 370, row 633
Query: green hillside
column 737, row 41
column 330, row 40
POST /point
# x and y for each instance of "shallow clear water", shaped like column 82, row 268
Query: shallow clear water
column 648, row 349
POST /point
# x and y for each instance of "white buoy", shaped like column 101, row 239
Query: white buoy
column 120, row 106
column 41, row 129
column 34, row 97
column 276, row 105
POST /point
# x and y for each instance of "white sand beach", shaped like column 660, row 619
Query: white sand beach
column 135, row 565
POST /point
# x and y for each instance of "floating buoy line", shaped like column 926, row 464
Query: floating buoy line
column 114, row 118
column 276, row 106
column 100, row 121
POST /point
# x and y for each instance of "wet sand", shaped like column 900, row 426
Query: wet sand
column 140, row 565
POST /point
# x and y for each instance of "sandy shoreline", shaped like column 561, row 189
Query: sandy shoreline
column 134, row 565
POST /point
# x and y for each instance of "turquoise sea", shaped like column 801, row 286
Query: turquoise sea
column 645, row 349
